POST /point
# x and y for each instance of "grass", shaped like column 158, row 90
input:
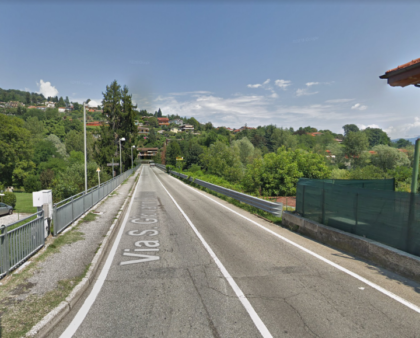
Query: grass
column 9, row 228
column 89, row 217
column 24, row 203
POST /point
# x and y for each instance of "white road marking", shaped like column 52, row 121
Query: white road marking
column 83, row 311
column 245, row 302
column 325, row 260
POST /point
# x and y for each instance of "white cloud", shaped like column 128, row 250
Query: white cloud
column 405, row 130
column 283, row 84
column 359, row 106
column 311, row 83
column 191, row 93
column 363, row 127
column 254, row 86
column 94, row 103
column 266, row 82
column 304, row 92
column 46, row 89
column 339, row 100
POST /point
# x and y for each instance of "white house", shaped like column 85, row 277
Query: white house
column 50, row 104
column 177, row 121
column 61, row 109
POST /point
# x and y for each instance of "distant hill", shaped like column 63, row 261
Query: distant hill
column 7, row 95
column 412, row 140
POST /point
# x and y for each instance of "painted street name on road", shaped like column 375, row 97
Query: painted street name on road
column 148, row 243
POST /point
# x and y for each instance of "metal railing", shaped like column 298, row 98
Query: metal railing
column 161, row 166
column 19, row 242
column 70, row 209
column 273, row 208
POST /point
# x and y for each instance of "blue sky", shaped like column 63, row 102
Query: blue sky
column 231, row 63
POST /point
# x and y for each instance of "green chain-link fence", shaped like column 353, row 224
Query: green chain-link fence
column 375, row 211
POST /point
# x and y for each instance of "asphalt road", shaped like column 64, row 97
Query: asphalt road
column 175, row 286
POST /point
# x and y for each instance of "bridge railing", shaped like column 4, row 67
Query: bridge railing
column 273, row 208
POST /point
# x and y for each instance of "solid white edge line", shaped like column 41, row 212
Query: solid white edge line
column 245, row 302
column 83, row 311
column 339, row 267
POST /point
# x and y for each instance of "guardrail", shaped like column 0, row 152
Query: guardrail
column 77, row 205
column 19, row 242
column 161, row 166
column 273, row 208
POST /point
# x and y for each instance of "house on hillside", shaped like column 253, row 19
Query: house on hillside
column 176, row 121
column 50, row 104
column 142, row 130
column 163, row 121
column 187, row 127
column 174, row 130
column 14, row 104
column 147, row 153
column 61, row 109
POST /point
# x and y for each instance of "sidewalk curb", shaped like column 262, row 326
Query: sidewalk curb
column 43, row 327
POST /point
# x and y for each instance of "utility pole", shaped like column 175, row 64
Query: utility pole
column 85, row 151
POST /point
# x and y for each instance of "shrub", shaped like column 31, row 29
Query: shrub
column 9, row 198
column 194, row 168
column 32, row 183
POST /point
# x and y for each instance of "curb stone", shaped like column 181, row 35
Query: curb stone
column 42, row 328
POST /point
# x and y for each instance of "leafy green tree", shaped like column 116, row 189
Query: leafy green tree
column 350, row 128
column 283, row 137
column 46, row 178
column 35, row 127
column 172, row 151
column 355, row 143
column 377, row 136
column 28, row 98
column 277, row 173
column 193, row 153
column 16, row 150
column 223, row 161
column 119, row 112
column 32, row 183
column 387, row 158
column 401, row 143
column 152, row 137
column 9, row 198
column 364, row 173
column 159, row 113
column 245, row 149
column 60, row 146
column 153, row 122
column 44, row 150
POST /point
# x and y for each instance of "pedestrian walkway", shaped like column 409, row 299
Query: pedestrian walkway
column 28, row 294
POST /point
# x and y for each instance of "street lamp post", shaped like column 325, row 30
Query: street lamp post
column 85, row 152
column 132, row 156
column 121, row 139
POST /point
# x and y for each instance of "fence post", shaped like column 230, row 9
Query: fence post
column 356, row 211
column 55, row 220
column 323, row 205
column 6, row 249
column 303, row 201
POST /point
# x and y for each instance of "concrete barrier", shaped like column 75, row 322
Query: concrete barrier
column 383, row 255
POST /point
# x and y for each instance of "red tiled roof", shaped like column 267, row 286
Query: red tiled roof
column 373, row 152
column 405, row 65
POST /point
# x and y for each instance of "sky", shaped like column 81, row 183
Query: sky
column 292, row 64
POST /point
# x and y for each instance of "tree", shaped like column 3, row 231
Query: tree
column 277, row 173
column 245, row 149
column 159, row 113
column 402, row 143
column 350, row 128
column 153, row 122
column 67, row 101
column 208, row 126
column 32, row 183
column 60, row 146
column 44, row 150
column 388, row 158
column 16, row 150
column 28, row 98
column 355, row 143
column 282, row 137
column 172, row 151
column 152, row 136
column 377, row 136
column 119, row 112
column 35, row 127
